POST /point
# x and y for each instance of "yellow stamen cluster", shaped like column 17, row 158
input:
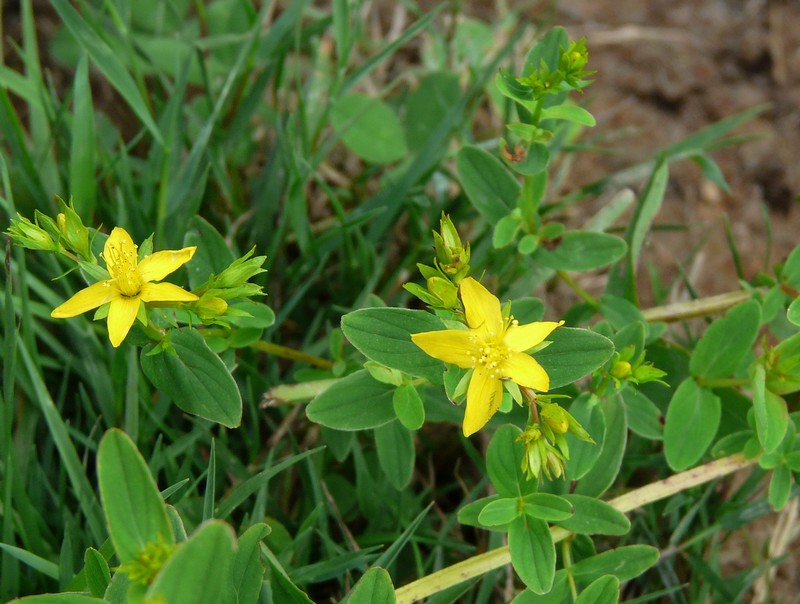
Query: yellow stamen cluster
column 123, row 266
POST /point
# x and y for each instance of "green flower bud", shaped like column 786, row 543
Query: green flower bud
column 621, row 370
column 240, row 271
column 555, row 417
column 29, row 235
column 73, row 233
column 452, row 258
column 444, row 290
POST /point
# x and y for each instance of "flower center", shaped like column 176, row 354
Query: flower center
column 490, row 356
column 124, row 268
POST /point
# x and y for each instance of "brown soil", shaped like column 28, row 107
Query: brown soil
column 667, row 69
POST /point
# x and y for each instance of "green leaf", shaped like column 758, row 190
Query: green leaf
column 535, row 161
column 369, row 128
column 194, row 378
column 790, row 273
column 582, row 251
column 428, row 106
column 488, row 184
column 603, row 590
column 212, row 255
column 780, row 486
column 357, row 402
column 548, row 49
column 384, row 335
column 247, row 569
column 408, row 406
column 82, row 179
column 583, row 455
column 108, row 63
column 605, row 470
column 37, row 563
column 691, row 423
column 769, row 411
column 644, row 418
column 500, row 511
column 533, row 554
column 625, row 563
column 374, row 587
column 545, row 506
column 726, row 342
column 395, row 453
column 62, row 598
column 594, row 517
column 98, row 575
column 198, row 570
column 711, row 171
column 135, row 512
column 470, row 513
column 570, row 113
column 503, row 463
column 572, row 354
column 793, row 313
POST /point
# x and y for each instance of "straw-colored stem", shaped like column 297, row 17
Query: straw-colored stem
column 483, row 563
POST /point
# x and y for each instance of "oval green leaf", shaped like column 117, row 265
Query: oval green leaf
column 357, row 402
column 545, row 506
column 408, row 406
column 384, row 335
column 603, row 590
column 594, row 517
column 625, row 563
column 369, row 128
column 198, row 570
column 572, row 354
column 726, row 342
column 583, row 251
column 195, row 378
column 503, row 459
column 134, row 510
column 533, row 554
column 395, row 453
column 374, row 587
column 499, row 512
column 489, row 186
column 691, row 423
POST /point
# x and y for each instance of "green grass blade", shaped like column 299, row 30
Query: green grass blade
column 69, row 456
column 36, row 562
column 82, row 182
column 107, row 62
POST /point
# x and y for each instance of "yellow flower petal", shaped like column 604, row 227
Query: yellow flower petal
column 525, row 337
column 164, row 292
column 87, row 299
column 119, row 248
column 481, row 307
column 160, row 264
column 484, row 396
column 448, row 345
column 525, row 371
column 121, row 315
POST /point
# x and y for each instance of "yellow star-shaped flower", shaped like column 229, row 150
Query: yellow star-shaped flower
column 493, row 347
column 132, row 284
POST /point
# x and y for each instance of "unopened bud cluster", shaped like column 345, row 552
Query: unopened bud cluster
column 546, row 447
column 450, row 266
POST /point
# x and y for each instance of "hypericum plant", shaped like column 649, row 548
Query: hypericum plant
column 129, row 291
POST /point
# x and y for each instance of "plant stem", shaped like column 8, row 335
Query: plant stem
column 290, row 353
column 696, row 308
column 584, row 295
column 483, row 563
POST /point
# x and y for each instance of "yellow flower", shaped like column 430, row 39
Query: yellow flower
column 132, row 284
column 493, row 347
